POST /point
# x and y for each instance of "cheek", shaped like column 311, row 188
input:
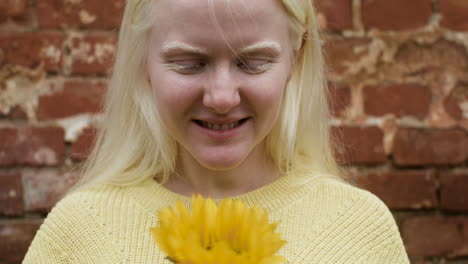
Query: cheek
column 174, row 94
column 268, row 96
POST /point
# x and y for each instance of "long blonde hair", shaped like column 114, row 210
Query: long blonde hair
column 132, row 145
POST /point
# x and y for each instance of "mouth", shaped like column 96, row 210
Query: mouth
column 220, row 126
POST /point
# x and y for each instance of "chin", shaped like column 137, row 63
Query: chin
column 221, row 161
column 220, row 164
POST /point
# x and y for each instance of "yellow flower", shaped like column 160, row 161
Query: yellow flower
column 229, row 234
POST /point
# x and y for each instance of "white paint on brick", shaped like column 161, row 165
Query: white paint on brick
column 19, row 91
column 52, row 53
column 74, row 125
column 104, row 51
column 464, row 108
column 45, row 155
column 86, row 17
column 12, row 193
column 73, row 2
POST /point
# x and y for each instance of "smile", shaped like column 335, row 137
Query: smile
column 220, row 126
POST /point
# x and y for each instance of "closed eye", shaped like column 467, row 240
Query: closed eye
column 186, row 66
column 254, row 66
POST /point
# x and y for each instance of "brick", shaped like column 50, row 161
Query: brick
column 399, row 100
column 453, row 103
column 16, row 237
column 338, row 14
column 13, row 8
column 36, row 146
column 402, row 189
column 15, row 113
column 11, row 194
column 343, row 53
column 8, row 137
column 453, row 191
column 359, row 145
column 413, row 58
column 93, row 54
column 417, row 147
column 44, row 188
column 83, row 145
column 32, row 49
column 77, row 97
column 87, row 14
column 339, row 99
column 454, row 14
column 395, row 14
column 39, row 146
column 436, row 236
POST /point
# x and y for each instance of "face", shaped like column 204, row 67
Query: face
column 218, row 73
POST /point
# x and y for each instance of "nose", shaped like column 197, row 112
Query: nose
column 222, row 90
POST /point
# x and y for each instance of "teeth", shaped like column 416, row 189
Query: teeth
column 219, row 126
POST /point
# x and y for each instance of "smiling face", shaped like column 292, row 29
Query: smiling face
column 218, row 73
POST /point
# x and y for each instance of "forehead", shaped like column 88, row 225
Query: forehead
column 234, row 20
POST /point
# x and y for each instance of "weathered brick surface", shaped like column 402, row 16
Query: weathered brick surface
column 454, row 14
column 11, row 194
column 15, row 238
column 360, row 145
column 456, row 100
column 15, row 113
column 340, row 99
column 336, row 14
column 403, row 189
column 12, row 8
column 454, row 191
column 436, row 236
column 32, row 49
column 104, row 14
column 83, row 145
column 396, row 14
column 399, row 100
column 77, row 97
column 8, row 140
column 92, row 54
column 341, row 53
column 391, row 65
column 413, row 58
column 36, row 146
column 418, row 147
column 43, row 188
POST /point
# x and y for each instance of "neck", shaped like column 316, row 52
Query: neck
column 192, row 178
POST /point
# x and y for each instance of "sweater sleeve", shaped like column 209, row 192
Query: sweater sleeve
column 388, row 246
column 50, row 244
column 73, row 233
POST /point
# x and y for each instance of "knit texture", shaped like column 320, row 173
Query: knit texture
column 322, row 220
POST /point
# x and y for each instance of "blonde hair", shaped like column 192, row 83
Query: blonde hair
column 132, row 145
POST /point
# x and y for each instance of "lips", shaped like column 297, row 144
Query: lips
column 220, row 125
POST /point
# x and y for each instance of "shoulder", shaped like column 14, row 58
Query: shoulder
column 332, row 204
column 76, row 210
column 337, row 222
column 362, row 220
column 77, row 223
column 349, row 195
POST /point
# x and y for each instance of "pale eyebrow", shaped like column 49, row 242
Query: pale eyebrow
column 181, row 46
column 264, row 45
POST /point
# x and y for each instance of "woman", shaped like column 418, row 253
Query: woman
column 226, row 99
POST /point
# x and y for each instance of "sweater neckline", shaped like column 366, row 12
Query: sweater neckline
column 277, row 194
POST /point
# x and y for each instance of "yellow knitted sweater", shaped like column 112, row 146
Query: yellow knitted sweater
column 322, row 220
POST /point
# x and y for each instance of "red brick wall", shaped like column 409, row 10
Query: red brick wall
column 398, row 79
